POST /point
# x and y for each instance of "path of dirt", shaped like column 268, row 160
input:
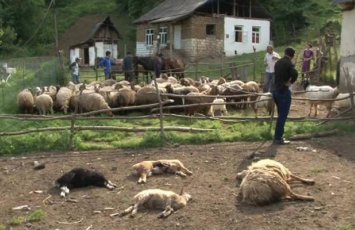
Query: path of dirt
column 212, row 187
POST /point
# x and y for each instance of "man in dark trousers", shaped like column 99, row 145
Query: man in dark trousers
column 128, row 67
column 285, row 75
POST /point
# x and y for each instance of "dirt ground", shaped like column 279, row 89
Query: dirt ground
column 212, row 186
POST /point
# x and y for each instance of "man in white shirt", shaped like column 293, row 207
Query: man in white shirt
column 75, row 71
column 271, row 57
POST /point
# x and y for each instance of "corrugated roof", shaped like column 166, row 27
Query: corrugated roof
column 170, row 10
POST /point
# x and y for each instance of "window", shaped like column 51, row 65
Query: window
column 210, row 29
column 149, row 37
column 163, row 32
column 256, row 35
column 238, row 30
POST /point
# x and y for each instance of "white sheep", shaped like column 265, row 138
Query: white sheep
column 266, row 181
column 158, row 199
column 343, row 104
column 25, row 101
column 63, row 98
column 92, row 102
column 316, row 94
column 219, row 106
column 264, row 101
column 44, row 104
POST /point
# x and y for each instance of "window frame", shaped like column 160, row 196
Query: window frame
column 163, row 33
column 149, row 37
column 238, row 29
column 255, row 35
column 210, row 28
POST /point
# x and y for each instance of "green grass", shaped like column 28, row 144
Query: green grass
column 2, row 227
column 37, row 215
column 18, row 220
column 345, row 227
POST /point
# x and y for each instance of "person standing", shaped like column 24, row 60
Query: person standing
column 271, row 57
column 158, row 64
column 107, row 63
column 308, row 55
column 285, row 75
column 75, row 73
column 128, row 67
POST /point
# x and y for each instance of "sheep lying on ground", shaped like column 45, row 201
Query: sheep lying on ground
column 318, row 93
column 267, row 181
column 218, row 107
column 145, row 169
column 158, row 199
column 25, row 101
column 79, row 177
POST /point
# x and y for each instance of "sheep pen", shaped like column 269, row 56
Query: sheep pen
column 212, row 187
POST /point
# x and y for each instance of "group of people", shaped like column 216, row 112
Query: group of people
column 280, row 75
column 127, row 67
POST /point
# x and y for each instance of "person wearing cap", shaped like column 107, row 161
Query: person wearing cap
column 271, row 57
column 107, row 63
column 285, row 75
column 75, row 73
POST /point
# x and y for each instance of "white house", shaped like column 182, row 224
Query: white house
column 347, row 43
column 203, row 28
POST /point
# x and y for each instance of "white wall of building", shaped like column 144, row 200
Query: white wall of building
column 347, row 47
column 143, row 50
column 246, row 46
column 74, row 53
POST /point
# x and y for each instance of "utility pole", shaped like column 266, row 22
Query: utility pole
column 55, row 26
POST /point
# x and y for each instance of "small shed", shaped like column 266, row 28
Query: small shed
column 89, row 38
column 347, row 44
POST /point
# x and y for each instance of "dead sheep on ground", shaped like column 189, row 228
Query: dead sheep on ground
column 158, row 199
column 145, row 169
column 80, row 177
column 267, row 181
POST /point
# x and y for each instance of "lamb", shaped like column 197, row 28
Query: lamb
column 317, row 93
column 264, row 101
column 158, row 199
column 80, row 177
column 25, row 101
column 51, row 91
column 219, row 105
column 44, row 104
column 267, row 181
column 145, row 169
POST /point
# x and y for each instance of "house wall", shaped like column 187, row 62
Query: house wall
column 232, row 48
column 347, row 49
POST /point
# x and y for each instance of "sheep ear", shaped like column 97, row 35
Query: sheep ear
column 182, row 190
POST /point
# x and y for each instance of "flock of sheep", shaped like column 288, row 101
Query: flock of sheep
column 264, row 182
column 110, row 94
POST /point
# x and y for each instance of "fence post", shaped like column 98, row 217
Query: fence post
column 254, row 64
column 161, row 118
column 351, row 91
column 72, row 132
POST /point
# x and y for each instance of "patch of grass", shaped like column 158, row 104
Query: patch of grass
column 37, row 216
column 18, row 220
column 345, row 227
column 2, row 227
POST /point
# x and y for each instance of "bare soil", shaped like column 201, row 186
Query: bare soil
column 212, row 186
